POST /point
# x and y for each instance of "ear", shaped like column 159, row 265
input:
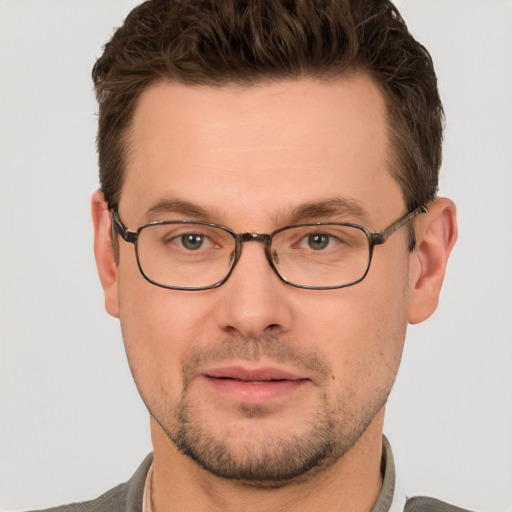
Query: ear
column 104, row 252
column 436, row 233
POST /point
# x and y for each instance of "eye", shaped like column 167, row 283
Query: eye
column 310, row 239
column 318, row 241
column 183, row 239
column 192, row 241
column 188, row 241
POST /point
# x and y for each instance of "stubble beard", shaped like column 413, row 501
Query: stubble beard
column 259, row 457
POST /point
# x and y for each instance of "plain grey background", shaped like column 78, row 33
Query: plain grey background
column 72, row 424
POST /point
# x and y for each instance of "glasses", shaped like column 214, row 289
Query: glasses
column 186, row 255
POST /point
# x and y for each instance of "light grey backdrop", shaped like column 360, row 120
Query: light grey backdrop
column 72, row 424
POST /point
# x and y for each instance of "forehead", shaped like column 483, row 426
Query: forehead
column 264, row 147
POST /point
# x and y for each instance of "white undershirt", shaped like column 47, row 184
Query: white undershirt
column 146, row 498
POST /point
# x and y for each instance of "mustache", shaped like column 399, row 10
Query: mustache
column 268, row 347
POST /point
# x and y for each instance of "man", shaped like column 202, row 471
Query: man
column 267, row 225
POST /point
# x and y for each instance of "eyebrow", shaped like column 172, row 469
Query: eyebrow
column 178, row 206
column 328, row 209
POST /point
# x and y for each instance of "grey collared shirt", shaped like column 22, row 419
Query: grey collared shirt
column 128, row 497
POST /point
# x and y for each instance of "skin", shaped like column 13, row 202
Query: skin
column 249, row 157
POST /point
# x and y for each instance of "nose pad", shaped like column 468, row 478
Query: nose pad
column 275, row 257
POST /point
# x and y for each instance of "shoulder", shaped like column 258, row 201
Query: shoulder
column 125, row 497
column 112, row 501
column 424, row 504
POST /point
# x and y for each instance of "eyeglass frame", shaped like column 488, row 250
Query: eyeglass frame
column 374, row 238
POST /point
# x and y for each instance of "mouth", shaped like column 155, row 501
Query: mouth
column 254, row 386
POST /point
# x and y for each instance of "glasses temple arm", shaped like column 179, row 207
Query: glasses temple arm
column 119, row 228
column 380, row 238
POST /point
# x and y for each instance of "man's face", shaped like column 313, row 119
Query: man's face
column 258, row 380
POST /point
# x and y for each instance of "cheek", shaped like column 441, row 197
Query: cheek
column 386, row 319
column 158, row 315
column 362, row 328
column 160, row 327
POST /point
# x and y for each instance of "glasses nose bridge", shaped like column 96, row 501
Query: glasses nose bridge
column 254, row 237
column 262, row 238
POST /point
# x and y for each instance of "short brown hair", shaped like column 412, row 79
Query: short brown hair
column 219, row 42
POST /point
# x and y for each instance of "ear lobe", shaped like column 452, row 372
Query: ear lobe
column 436, row 233
column 104, row 253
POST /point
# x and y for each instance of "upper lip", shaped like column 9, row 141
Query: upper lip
column 255, row 374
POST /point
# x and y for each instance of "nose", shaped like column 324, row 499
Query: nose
column 254, row 300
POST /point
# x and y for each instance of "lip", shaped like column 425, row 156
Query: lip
column 254, row 385
column 255, row 374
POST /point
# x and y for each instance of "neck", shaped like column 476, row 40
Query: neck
column 351, row 484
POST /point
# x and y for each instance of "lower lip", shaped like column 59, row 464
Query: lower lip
column 255, row 391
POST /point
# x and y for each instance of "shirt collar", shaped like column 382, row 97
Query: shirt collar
column 392, row 497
